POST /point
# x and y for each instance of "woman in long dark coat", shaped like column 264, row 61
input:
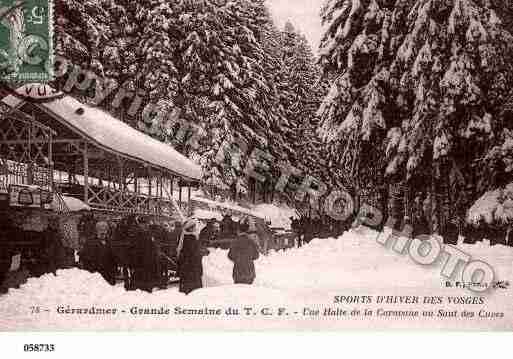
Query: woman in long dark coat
column 190, row 256
column 243, row 253
column 97, row 255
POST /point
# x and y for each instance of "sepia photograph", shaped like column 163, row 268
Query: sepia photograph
column 255, row 165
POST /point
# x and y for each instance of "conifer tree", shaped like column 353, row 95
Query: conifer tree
column 418, row 84
column 214, row 61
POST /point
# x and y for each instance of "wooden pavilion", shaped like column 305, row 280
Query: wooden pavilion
column 56, row 142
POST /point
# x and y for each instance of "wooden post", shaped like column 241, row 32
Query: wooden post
column 86, row 174
column 121, row 180
column 254, row 190
column 161, row 179
column 180, row 194
column 189, row 207
column 136, row 189
column 149, row 184
column 50, row 158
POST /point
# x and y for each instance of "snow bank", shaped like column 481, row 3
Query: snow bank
column 77, row 289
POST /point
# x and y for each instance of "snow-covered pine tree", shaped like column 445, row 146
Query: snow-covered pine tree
column 418, row 82
column 222, row 78
column 82, row 28
column 495, row 203
column 300, row 95
column 211, row 59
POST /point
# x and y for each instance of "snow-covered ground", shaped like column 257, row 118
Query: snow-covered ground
column 309, row 277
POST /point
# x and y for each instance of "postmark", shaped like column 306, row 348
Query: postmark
column 26, row 40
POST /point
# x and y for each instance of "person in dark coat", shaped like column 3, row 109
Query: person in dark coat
column 53, row 251
column 228, row 226
column 451, row 234
column 6, row 254
column 295, row 226
column 190, row 256
column 420, row 221
column 244, row 225
column 243, row 252
column 5, row 265
column 86, row 228
column 470, row 232
column 97, row 256
column 123, row 242
column 144, row 259
column 476, row 232
column 5, row 262
column 173, row 237
column 307, row 229
column 497, row 235
column 209, row 233
column 159, row 236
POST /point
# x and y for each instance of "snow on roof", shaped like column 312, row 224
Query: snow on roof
column 114, row 135
column 278, row 215
column 75, row 205
column 226, row 206
column 206, row 214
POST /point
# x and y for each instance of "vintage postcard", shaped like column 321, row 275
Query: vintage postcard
column 256, row 165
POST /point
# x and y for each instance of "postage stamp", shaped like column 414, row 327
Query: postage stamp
column 26, row 46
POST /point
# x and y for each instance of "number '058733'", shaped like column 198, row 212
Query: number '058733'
column 38, row 348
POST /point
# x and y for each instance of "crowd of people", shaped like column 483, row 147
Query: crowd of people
column 244, row 250
column 143, row 253
column 46, row 255
column 227, row 228
column 139, row 250
column 135, row 250
column 305, row 229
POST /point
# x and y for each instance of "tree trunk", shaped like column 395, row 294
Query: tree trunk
column 435, row 208
column 444, row 197
column 396, row 203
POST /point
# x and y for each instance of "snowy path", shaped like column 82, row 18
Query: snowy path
column 310, row 277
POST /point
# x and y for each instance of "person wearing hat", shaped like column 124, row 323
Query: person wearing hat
column 209, row 233
column 124, row 243
column 97, row 256
column 243, row 252
column 144, row 257
column 228, row 226
column 86, row 228
column 190, row 256
column 53, row 252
